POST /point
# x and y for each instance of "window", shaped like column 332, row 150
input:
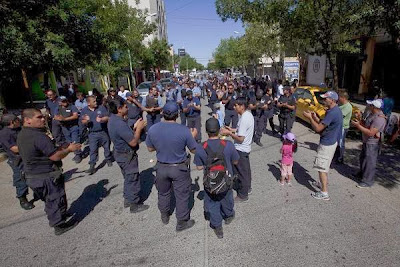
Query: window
column 298, row 93
column 308, row 95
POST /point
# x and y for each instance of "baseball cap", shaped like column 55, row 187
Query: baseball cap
column 170, row 108
column 378, row 103
column 331, row 94
column 212, row 125
column 63, row 98
column 289, row 136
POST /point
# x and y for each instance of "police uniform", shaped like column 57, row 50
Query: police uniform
column 193, row 118
column 259, row 117
column 269, row 113
column 152, row 117
column 98, row 135
column 43, row 175
column 55, row 125
column 170, row 140
column 126, row 157
column 134, row 112
column 230, row 113
column 70, row 129
column 8, row 139
column 286, row 116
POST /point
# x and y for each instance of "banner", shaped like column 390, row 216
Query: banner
column 316, row 70
column 291, row 68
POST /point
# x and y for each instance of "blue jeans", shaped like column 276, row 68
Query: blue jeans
column 20, row 185
column 219, row 209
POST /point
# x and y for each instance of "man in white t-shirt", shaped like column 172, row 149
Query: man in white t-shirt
column 122, row 92
column 242, row 137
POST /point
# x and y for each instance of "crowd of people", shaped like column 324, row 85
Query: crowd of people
column 240, row 110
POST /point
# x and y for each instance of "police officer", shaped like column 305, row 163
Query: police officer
column 170, row 139
column 96, row 119
column 192, row 109
column 113, row 96
column 229, row 101
column 51, row 106
column 258, row 105
column 42, row 167
column 152, row 104
column 287, row 111
column 68, row 116
column 126, row 144
column 269, row 112
column 135, row 109
column 80, row 104
column 8, row 140
column 181, row 95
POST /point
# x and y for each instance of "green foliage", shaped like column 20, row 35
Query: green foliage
column 157, row 55
column 188, row 62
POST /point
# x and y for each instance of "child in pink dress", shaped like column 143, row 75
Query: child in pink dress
column 289, row 146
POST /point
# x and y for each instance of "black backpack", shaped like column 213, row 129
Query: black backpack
column 216, row 177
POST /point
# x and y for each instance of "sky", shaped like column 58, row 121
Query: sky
column 195, row 26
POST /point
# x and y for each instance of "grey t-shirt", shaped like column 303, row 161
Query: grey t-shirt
column 377, row 121
column 245, row 128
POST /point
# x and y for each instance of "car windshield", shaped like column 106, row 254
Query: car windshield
column 318, row 96
column 144, row 86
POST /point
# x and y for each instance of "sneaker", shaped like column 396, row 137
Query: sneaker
column 219, row 232
column 165, row 218
column 77, row 159
column 289, row 183
column 135, row 208
column 240, row 200
column 320, row 195
column 25, row 204
column 258, row 143
column 206, row 216
column 91, row 170
column 64, row 227
column 183, row 225
column 281, row 183
column 363, row 185
column 228, row 220
column 109, row 163
column 250, row 191
column 126, row 204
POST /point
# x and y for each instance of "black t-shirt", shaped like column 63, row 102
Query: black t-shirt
column 8, row 139
column 35, row 148
column 230, row 104
column 259, row 104
column 289, row 100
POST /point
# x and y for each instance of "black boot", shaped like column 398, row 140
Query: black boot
column 165, row 217
column 229, row 219
column 258, row 143
column 25, row 204
column 135, row 208
column 77, row 159
column 183, row 225
column 219, row 232
column 64, row 227
column 109, row 163
column 91, row 169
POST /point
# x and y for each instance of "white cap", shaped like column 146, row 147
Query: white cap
column 376, row 103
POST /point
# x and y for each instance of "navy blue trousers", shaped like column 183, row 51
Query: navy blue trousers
column 96, row 140
column 219, row 209
column 20, row 185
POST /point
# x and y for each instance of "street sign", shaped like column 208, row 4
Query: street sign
column 181, row 52
column 176, row 66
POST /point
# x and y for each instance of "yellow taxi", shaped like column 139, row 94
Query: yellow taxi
column 309, row 98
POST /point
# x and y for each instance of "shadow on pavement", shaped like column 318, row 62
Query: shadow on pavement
column 387, row 171
column 302, row 176
column 147, row 180
column 194, row 188
column 91, row 196
column 275, row 171
column 68, row 174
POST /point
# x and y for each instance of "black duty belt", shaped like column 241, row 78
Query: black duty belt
column 172, row 164
column 44, row 175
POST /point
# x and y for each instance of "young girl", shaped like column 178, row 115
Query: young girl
column 289, row 146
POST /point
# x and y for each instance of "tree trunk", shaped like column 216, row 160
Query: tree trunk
column 333, row 68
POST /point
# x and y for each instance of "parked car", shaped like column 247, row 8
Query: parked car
column 166, row 81
column 309, row 98
column 143, row 88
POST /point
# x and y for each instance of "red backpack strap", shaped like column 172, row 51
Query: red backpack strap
column 205, row 145
column 223, row 143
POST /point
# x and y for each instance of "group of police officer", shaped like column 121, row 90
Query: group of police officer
column 35, row 155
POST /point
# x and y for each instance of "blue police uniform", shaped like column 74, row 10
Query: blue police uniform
column 70, row 129
column 98, row 135
column 286, row 116
column 43, row 176
column 134, row 112
column 230, row 113
column 153, row 117
column 193, row 118
column 170, row 140
column 80, row 105
column 259, row 115
column 126, row 157
column 55, row 126
column 219, row 206
column 8, row 139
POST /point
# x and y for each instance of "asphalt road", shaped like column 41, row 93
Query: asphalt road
column 278, row 226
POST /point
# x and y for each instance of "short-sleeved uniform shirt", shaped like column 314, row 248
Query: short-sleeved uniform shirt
column 258, row 103
column 196, row 91
column 134, row 112
column 376, row 121
column 80, row 104
column 192, row 112
column 334, row 124
column 120, row 133
column 8, row 139
column 290, row 100
column 52, row 106
column 230, row 104
column 230, row 153
column 93, row 125
column 213, row 95
column 347, row 110
column 245, row 128
column 35, row 148
column 159, row 101
column 67, row 112
column 170, row 140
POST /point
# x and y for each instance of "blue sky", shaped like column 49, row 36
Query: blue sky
column 195, row 25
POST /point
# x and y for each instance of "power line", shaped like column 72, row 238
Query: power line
column 179, row 8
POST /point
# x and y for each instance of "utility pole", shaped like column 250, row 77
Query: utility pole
column 133, row 81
